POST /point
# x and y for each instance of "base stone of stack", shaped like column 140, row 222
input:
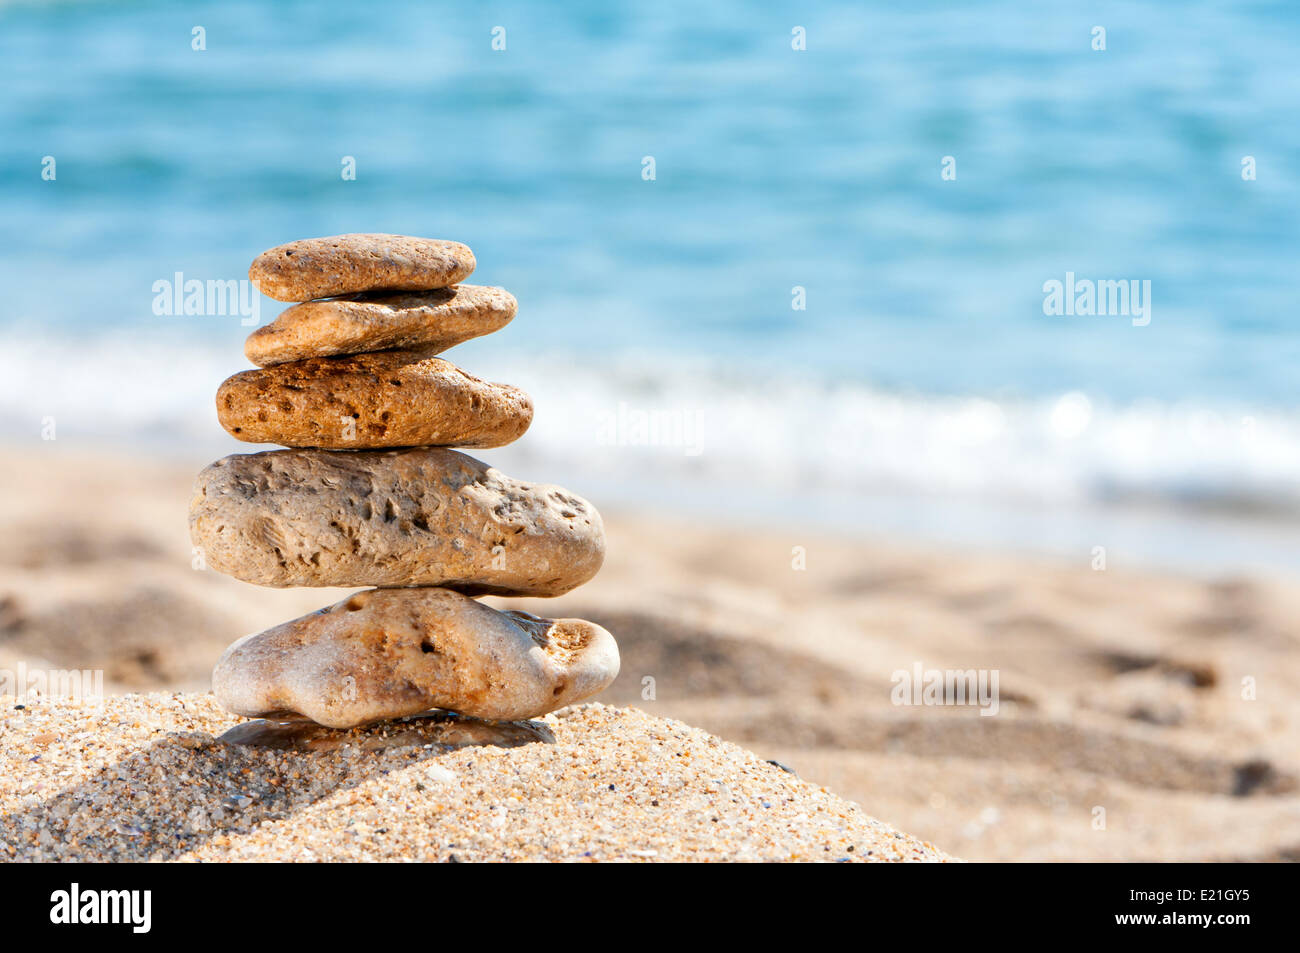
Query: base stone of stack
column 430, row 321
column 368, row 401
column 388, row 653
column 420, row 517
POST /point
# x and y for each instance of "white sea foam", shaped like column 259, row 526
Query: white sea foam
column 797, row 434
column 655, row 417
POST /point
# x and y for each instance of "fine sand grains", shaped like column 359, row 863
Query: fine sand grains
column 142, row 778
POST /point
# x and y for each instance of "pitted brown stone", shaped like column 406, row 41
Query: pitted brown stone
column 371, row 401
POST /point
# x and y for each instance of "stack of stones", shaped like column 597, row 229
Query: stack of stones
column 371, row 495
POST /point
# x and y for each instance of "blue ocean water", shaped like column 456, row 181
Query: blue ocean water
column 923, row 363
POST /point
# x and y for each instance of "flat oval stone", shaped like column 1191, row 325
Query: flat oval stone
column 369, row 401
column 345, row 264
column 429, row 321
column 387, row 653
column 421, row 517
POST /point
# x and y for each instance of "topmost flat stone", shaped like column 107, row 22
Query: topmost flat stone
column 346, row 264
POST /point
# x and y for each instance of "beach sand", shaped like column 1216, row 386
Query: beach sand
column 1125, row 729
column 142, row 778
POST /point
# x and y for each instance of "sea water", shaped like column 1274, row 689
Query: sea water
column 832, row 266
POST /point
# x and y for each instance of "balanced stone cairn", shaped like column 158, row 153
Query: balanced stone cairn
column 371, row 495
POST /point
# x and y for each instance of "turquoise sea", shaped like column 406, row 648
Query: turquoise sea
column 920, row 388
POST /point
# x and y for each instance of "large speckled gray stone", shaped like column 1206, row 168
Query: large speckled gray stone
column 421, row 517
column 387, row 653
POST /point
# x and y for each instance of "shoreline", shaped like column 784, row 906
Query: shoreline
column 1174, row 483
column 1144, row 536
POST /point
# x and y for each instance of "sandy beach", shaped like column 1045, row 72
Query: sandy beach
column 1141, row 716
column 143, row 779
